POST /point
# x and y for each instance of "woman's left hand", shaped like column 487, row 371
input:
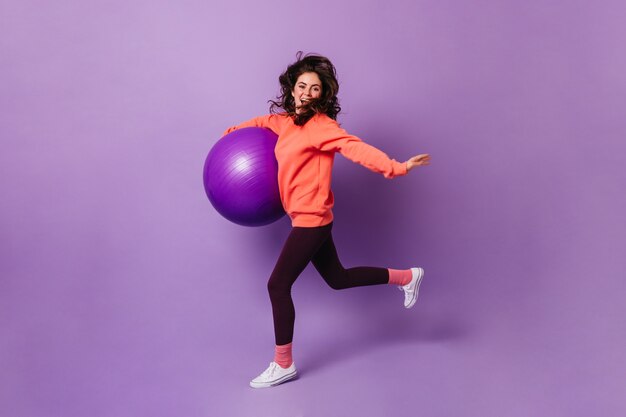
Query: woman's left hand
column 419, row 160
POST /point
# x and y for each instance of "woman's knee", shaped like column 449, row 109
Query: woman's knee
column 276, row 288
column 334, row 280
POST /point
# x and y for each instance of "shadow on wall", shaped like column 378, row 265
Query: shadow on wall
column 377, row 223
column 381, row 331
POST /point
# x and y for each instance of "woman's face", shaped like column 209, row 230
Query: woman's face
column 308, row 87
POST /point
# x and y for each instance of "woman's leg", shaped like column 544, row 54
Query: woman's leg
column 337, row 277
column 302, row 243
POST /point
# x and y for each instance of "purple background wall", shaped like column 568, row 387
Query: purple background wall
column 122, row 293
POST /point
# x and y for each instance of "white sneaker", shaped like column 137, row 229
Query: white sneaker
column 412, row 288
column 274, row 375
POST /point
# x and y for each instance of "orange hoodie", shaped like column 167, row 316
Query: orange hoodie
column 305, row 157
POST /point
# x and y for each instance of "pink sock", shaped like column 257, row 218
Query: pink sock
column 282, row 355
column 399, row 277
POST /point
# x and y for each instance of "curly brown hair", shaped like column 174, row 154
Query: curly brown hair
column 327, row 103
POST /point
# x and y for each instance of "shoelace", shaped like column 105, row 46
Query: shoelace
column 272, row 368
column 407, row 294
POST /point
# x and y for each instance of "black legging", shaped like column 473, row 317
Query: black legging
column 314, row 244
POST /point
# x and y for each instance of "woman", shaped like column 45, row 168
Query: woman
column 308, row 138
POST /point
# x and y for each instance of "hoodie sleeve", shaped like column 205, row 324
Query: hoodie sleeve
column 269, row 121
column 332, row 138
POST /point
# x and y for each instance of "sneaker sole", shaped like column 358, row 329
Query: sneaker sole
column 417, row 287
column 285, row 378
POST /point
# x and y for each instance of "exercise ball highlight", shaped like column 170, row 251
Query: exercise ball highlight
column 241, row 177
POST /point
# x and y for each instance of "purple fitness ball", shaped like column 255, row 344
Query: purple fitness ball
column 241, row 177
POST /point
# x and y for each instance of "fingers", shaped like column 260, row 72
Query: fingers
column 418, row 160
column 423, row 159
